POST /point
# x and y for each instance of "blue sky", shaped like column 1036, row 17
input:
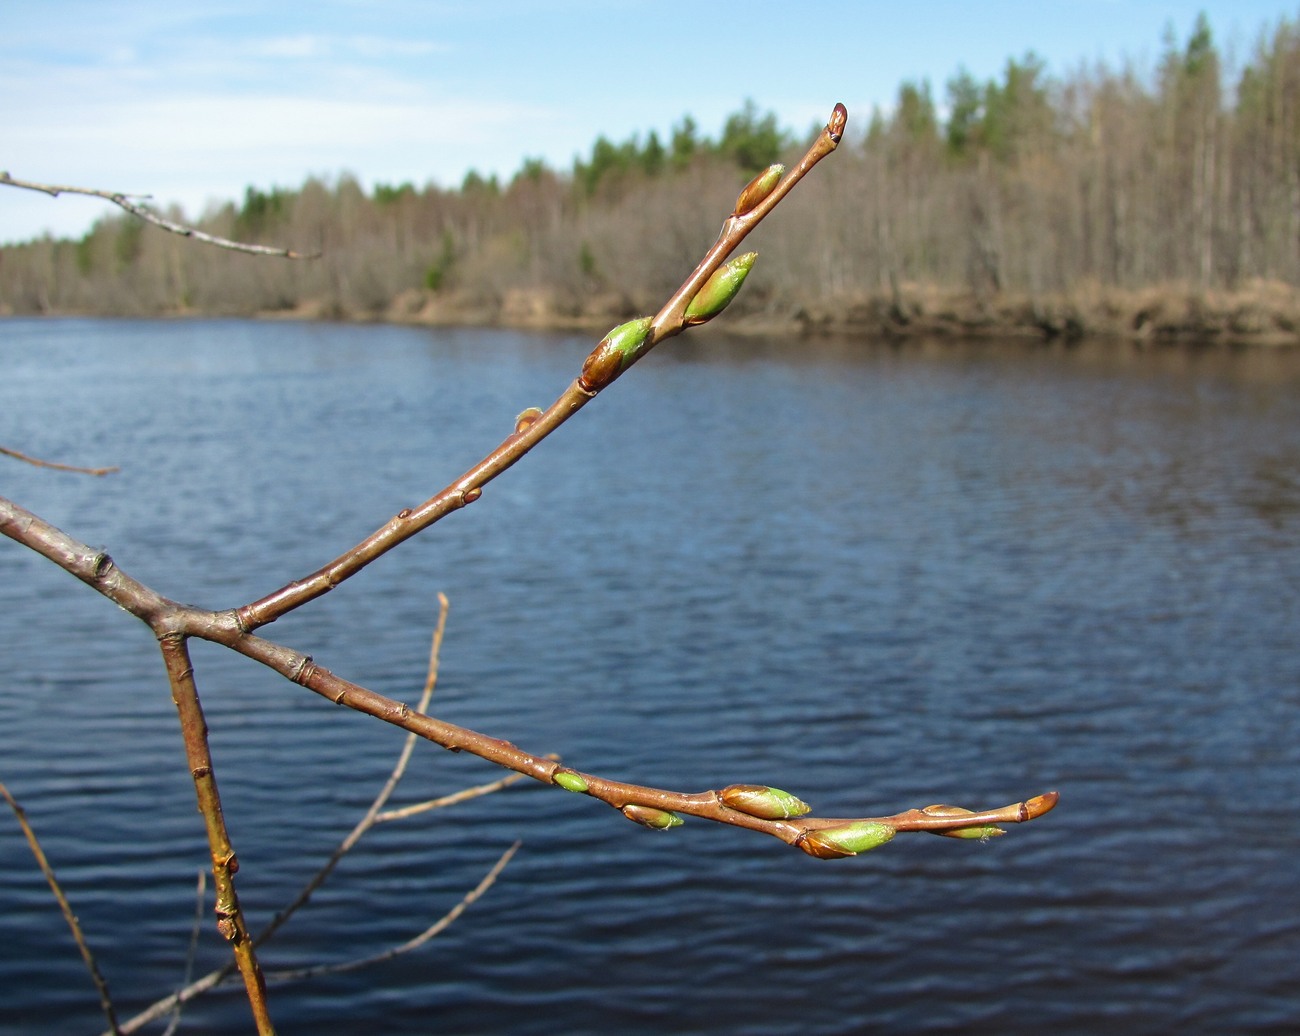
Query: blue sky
column 192, row 101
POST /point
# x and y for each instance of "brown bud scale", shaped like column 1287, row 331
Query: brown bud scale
column 758, row 188
column 839, row 119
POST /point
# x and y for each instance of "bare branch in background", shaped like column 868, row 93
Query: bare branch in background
column 37, row 462
column 196, row 929
column 372, row 816
column 101, row 985
column 124, row 201
column 488, row 880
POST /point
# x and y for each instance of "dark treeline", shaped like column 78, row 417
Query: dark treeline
column 1099, row 199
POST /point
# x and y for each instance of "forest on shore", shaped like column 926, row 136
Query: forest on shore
column 1102, row 201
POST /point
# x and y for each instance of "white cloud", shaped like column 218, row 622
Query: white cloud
column 303, row 46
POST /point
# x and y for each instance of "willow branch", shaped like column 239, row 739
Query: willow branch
column 447, row 919
column 672, row 319
column 101, row 984
column 230, row 917
column 37, row 462
column 124, row 201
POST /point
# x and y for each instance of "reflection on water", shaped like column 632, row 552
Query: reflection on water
column 877, row 577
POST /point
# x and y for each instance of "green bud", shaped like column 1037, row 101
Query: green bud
column 615, row 351
column 758, row 188
column 829, row 843
column 648, row 816
column 720, row 289
column 569, row 781
column 983, row 832
column 758, row 800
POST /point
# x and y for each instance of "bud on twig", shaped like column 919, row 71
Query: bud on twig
column 569, row 781
column 615, row 351
column 830, row 843
column 527, row 417
column 758, row 800
column 647, row 816
column 720, row 289
column 838, row 120
column 758, row 188
column 983, row 831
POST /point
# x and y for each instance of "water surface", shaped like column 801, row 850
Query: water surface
column 878, row 578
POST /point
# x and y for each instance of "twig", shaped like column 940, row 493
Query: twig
column 139, row 211
column 170, row 619
column 369, row 819
column 101, row 984
column 672, row 319
column 373, row 815
column 199, row 894
column 464, row 795
column 97, row 569
column 52, row 464
column 230, row 916
column 396, row 951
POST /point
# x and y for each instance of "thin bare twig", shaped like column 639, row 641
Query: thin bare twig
column 368, row 820
column 124, row 201
column 36, row 461
column 98, row 570
column 671, row 320
column 230, row 916
column 454, row 799
column 396, row 951
column 373, row 815
column 101, row 984
column 200, row 893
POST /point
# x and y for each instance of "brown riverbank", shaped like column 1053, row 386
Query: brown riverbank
column 1262, row 313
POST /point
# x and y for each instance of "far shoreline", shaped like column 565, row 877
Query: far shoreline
column 1264, row 314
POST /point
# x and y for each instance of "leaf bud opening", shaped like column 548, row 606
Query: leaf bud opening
column 829, row 843
column 648, row 816
column 983, row 831
column 615, row 351
column 758, row 800
column 720, row 289
column 758, row 188
column 527, row 417
column 569, row 781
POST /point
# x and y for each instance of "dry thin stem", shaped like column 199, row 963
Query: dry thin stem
column 101, row 984
column 54, row 465
column 454, row 799
column 434, row 929
column 200, row 892
column 670, row 320
column 369, row 819
column 140, row 212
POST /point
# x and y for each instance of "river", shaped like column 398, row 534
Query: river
column 876, row 577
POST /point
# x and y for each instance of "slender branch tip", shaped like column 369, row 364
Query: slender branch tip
column 838, row 120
